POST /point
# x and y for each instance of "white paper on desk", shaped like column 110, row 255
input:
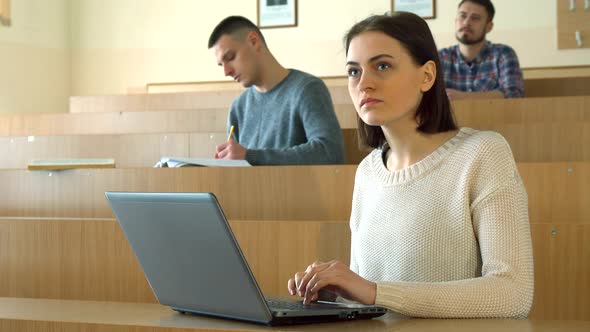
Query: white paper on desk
column 209, row 162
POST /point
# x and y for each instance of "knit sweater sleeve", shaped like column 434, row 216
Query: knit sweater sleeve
column 505, row 287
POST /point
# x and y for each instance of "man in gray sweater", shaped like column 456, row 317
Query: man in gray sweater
column 285, row 116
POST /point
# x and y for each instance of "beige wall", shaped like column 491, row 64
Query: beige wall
column 165, row 40
column 58, row 48
column 35, row 57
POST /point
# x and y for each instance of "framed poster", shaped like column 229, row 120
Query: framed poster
column 423, row 8
column 5, row 12
column 276, row 13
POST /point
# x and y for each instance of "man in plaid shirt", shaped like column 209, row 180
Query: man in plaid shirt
column 477, row 68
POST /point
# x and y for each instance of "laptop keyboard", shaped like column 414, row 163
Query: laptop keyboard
column 277, row 304
column 288, row 305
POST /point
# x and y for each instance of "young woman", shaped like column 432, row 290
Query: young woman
column 439, row 217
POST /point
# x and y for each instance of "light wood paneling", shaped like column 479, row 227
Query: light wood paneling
column 534, row 142
column 5, row 12
column 128, row 150
column 557, row 192
column 211, row 120
column 562, row 272
column 538, row 129
column 90, row 260
column 557, row 87
column 339, row 83
column 246, row 193
column 556, row 72
column 474, row 113
column 132, row 150
column 529, row 142
column 262, row 193
column 69, row 259
column 544, row 87
column 479, row 113
column 150, row 102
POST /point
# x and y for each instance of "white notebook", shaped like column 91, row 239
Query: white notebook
column 209, row 162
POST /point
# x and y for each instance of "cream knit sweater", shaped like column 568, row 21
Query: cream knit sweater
column 448, row 236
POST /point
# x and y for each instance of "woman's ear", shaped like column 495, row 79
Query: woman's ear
column 429, row 74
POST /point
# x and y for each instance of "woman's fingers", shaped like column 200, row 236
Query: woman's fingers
column 305, row 284
column 291, row 286
column 311, row 270
column 299, row 276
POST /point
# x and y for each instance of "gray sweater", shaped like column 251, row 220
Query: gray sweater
column 292, row 124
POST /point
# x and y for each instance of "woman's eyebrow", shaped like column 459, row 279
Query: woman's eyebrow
column 373, row 59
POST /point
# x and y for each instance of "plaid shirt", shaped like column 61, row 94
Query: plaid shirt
column 495, row 68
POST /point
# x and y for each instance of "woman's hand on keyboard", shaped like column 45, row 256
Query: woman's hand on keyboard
column 333, row 277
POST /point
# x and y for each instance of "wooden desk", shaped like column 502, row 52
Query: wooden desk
column 68, row 316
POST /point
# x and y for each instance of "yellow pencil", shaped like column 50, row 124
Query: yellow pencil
column 231, row 132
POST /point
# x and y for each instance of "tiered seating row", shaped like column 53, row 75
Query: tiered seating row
column 283, row 217
column 251, row 193
column 130, row 150
column 539, row 82
column 58, row 239
column 478, row 114
column 537, row 130
column 89, row 259
column 529, row 143
column 558, row 192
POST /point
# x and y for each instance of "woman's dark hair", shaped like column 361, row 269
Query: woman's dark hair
column 434, row 114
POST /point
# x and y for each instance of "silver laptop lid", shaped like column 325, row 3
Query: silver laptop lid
column 189, row 254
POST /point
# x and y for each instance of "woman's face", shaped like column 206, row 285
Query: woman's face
column 384, row 83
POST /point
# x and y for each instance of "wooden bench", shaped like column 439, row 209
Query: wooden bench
column 539, row 88
column 260, row 193
column 539, row 82
column 89, row 259
column 538, row 129
column 283, row 193
column 128, row 150
column 484, row 114
column 529, row 143
column 271, row 210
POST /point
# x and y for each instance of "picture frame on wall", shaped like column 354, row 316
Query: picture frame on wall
column 276, row 13
column 423, row 8
column 4, row 12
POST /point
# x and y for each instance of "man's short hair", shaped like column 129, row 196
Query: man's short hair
column 233, row 25
column 487, row 4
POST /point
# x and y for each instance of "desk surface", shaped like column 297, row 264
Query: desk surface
column 17, row 314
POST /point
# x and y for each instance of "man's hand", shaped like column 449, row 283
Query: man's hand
column 230, row 150
column 334, row 277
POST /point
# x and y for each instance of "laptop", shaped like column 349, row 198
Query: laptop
column 194, row 264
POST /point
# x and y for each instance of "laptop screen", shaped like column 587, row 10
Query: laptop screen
column 189, row 254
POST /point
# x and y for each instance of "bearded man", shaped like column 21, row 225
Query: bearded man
column 476, row 67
